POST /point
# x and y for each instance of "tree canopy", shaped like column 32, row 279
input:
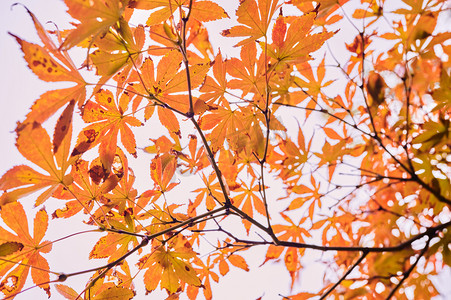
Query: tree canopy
column 324, row 138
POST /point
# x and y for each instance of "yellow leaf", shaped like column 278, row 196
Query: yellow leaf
column 115, row 292
column 66, row 292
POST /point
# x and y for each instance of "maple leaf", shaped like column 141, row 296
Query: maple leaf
column 293, row 46
column 255, row 18
column 174, row 83
column 229, row 169
column 376, row 88
column 168, row 88
column 308, row 193
column 116, row 284
column 96, row 17
column 13, row 277
column 373, row 11
column 303, row 296
column 248, row 71
column 206, row 11
column 90, row 184
column 165, row 8
column 228, row 255
column 211, row 193
column 52, row 65
column 200, row 10
column 443, row 94
column 169, row 266
column 115, row 292
column 47, row 68
column 124, row 194
column 66, row 291
column 331, row 153
column 114, row 245
column 358, row 48
column 213, row 89
column 314, row 82
column 293, row 232
column 416, row 7
column 435, row 134
column 34, row 144
column 324, row 8
column 247, row 200
column 197, row 38
column 108, row 119
column 162, row 170
column 225, row 124
column 162, row 218
column 118, row 53
column 205, row 273
column 196, row 41
column 293, row 157
column 253, row 122
column 8, row 248
column 197, row 160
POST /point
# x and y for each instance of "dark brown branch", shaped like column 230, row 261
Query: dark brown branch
column 145, row 241
column 409, row 271
column 212, row 162
column 430, row 232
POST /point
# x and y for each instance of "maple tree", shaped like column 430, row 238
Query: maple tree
column 362, row 175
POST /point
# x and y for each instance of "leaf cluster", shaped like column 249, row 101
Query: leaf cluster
column 362, row 174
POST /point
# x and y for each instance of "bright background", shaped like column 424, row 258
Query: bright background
column 20, row 88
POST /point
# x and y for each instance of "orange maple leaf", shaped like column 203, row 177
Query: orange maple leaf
column 249, row 72
column 248, row 200
column 108, row 120
column 51, row 65
column 212, row 192
column 96, row 17
column 13, row 280
column 90, row 184
column 228, row 255
column 118, row 53
column 203, row 11
column 213, row 89
column 292, row 232
column 205, row 273
column 294, row 45
column 170, row 266
column 225, row 123
column 197, row 158
column 168, row 87
column 162, row 169
column 34, row 144
column 255, row 18
column 114, row 245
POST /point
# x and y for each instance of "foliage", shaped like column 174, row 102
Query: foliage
column 362, row 174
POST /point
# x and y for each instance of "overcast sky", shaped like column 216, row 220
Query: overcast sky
column 20, row 88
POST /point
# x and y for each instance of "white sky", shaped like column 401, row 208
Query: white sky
column 20, row 87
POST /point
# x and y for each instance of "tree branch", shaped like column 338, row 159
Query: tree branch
column 362, row 257
column 409, row 271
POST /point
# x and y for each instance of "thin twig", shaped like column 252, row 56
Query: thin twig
column 362, row 257
column 409, row 271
